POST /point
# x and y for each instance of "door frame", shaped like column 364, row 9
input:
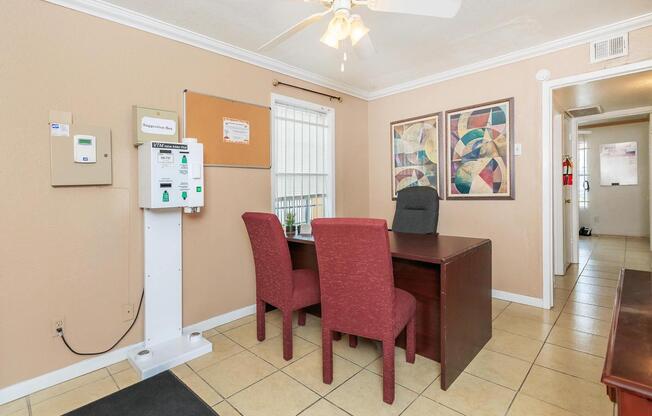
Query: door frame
column 547, row 208
column 575, row 202
column 558, row 189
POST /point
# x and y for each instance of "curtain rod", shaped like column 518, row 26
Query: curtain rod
column 276, row 83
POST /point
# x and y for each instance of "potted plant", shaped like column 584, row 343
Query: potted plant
column 289, row 223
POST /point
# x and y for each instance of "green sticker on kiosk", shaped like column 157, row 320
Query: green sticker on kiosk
column 166, row 196
column 198, row 189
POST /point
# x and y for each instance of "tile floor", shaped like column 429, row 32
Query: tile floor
column 538, row 362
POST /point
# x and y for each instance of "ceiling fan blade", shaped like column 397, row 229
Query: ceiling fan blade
column 364, row 49
column 435, row 8
column 294, row 30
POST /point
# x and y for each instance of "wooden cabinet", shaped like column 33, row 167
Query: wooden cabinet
column 628, row 366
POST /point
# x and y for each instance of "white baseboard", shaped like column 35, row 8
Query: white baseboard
column 41, row 382
column 515, row 297
column 221, row 319
column 50, row 379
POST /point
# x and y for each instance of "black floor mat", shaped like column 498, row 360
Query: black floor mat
column 161, row 395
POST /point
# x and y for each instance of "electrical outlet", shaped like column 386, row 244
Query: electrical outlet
column 127, row 312
column 56, row 324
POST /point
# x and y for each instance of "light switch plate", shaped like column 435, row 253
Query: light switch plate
column 518, row 149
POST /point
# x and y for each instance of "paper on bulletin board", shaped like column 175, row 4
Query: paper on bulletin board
column 236, row 131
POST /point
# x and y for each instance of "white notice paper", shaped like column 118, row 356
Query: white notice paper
column 162, row 126
column 59, row 129
column 236, row 131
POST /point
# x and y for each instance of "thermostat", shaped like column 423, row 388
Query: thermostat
column 84, row 149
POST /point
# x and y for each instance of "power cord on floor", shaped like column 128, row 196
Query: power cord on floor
column 63, row 338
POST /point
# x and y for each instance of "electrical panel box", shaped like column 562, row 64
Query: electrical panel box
column 171, row 175
column 155, row 125
column 81, row 155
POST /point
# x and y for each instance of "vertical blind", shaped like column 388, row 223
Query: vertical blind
column 302, row 163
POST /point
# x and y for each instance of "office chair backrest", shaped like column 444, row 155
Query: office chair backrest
column 417, row 210
column 271, row 256
column 355, row 274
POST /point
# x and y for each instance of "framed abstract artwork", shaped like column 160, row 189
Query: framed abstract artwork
column 480, row 151
column 416, row 152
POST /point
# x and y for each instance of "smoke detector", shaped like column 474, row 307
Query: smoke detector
column 590, row 110
column 610, row 47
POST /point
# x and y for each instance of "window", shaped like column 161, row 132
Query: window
column 302, row 160
column 583, row 176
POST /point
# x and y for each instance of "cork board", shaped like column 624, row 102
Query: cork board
column 205, row 117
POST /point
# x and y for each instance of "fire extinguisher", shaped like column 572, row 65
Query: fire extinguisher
column 567, row 171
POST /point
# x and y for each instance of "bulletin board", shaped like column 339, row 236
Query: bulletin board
column 619, row 164
column 247, row 139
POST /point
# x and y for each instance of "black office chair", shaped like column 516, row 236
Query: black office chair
column 417, row 210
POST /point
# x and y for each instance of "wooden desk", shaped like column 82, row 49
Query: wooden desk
column 628, row 366
column 450, row 277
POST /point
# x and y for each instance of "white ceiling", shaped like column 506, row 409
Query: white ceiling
column 613, row 94
column 408, row 47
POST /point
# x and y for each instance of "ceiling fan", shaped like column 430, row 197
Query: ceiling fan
column 346, row 24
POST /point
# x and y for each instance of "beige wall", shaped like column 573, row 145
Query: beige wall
column 513, row 226
column 77, row 252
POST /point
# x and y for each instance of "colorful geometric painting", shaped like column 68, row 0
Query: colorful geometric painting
column 479, row 146
column 416, row 152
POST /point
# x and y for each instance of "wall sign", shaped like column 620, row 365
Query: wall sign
column 151, row 124
column 159, row 126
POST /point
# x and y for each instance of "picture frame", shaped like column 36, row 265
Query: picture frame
column 417, row 153
column 480, row 163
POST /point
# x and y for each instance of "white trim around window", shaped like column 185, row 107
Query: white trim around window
column 303, row 159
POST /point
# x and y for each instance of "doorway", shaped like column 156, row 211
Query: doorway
column 614, row 95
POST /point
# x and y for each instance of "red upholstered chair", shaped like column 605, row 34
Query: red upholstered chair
column 358, row 296
column 276, row 283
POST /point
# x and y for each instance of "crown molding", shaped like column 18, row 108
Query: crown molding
column 520, row 55
column 121, row 15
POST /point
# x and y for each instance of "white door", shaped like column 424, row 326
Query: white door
column 558, row 197
column 569, row 195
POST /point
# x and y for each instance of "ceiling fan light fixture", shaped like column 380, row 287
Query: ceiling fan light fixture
column 330, row 39
column 339, row 26
column 358, row 29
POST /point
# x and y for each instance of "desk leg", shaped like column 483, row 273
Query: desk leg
column 465, row 311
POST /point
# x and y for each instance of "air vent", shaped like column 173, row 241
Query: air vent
column 584, row 111
column 609, row 48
